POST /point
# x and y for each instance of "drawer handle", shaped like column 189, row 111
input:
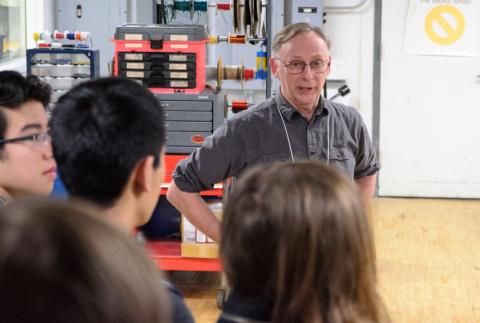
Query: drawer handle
column 198, row 139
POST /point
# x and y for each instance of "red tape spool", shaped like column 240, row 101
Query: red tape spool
column 248, row 74
column 239, row 104
column 223, row 6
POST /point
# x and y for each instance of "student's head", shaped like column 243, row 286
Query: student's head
column 295, row 238
column 27, row 166
column 108, row 134
column 60, row 264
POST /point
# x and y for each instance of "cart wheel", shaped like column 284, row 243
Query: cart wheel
column 221, row 297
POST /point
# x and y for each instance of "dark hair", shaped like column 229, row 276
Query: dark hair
column 100, row 130
column 15, row 90
column 296, row 238
column 60, row 264
column 290, row 31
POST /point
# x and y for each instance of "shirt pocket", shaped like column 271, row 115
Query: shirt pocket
column 343, row 159
column 271, row 158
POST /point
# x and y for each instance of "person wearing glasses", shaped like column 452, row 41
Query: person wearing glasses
column 296, row 124
column 27, row 166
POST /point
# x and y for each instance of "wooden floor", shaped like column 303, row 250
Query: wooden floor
column 428, row 257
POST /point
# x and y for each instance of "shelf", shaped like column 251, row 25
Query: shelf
column 171, row 162
column 167, row 256
column 217, row 190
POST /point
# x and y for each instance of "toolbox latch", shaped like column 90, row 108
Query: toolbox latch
column 156, row 41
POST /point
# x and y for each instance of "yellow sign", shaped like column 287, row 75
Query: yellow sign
column 451, row 33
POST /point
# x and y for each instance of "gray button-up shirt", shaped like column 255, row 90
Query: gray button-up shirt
column 336, row 134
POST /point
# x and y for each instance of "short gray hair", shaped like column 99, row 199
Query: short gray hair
column 293, row 30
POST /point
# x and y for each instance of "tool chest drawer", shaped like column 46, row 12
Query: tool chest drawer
column 187, row 105
column 188, row 116
column 188, row 126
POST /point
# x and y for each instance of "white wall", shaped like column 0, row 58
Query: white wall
column 430, row 116
column 39, row 18
column 429, row 112
column 351, row 33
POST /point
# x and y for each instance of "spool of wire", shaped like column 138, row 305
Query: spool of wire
column 248, row 74
column 181, row 5
column 69, row 35
column 238, row 105
column 84, row 36
column 223, row 6
column 42, row 36
column 233, row 72
column 46, row 36
column 58, row 35
column 212, row 39
column 236, row 39
column 200, row 6
column 77, row 38
column 187, row 6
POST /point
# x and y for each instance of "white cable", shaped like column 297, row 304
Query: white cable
column 286, row 133
column 328, row 139
column 288, row 137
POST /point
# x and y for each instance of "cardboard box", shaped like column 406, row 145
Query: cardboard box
column 199, row 250
column 195, row 244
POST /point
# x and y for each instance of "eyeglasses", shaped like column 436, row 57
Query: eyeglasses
column 36, row 140
column 296, row 67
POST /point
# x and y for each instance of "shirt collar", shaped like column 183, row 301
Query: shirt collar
column 3, row 200
column 288, row 110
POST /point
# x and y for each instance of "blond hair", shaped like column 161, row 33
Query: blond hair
column 293, row 30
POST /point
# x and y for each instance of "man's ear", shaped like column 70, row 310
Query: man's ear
column 273, row 66
column 144, row 174
column 329, row 65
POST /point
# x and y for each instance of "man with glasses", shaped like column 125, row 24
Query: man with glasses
column 27, row 166
column 296, row 124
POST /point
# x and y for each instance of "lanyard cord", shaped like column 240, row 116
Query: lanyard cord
column 288, row 137
column 286, row 133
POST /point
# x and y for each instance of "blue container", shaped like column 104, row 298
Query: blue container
column 164, row 223
column 59, row 190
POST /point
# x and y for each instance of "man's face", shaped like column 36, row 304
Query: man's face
column 26, row 167
column 302, row 90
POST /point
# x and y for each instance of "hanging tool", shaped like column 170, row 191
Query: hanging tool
column 342, row 91
column 256, row 17
column 263, row 19
column 236, row 9
column 192, row 9
column 161, row 13
column 247, row 18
